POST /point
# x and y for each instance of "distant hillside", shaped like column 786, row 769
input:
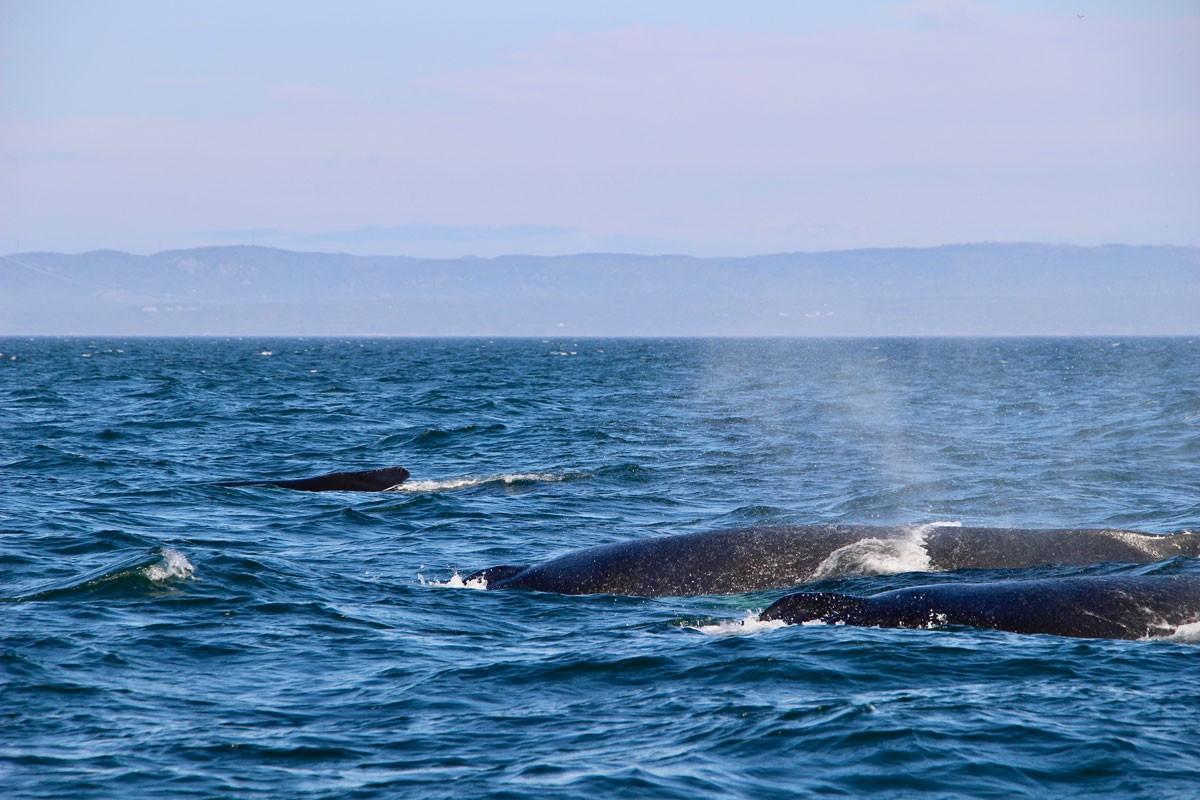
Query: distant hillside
column 973, row 289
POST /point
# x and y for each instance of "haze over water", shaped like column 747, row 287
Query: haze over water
column 165, row 636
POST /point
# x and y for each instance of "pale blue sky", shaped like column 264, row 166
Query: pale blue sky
column 708, row 128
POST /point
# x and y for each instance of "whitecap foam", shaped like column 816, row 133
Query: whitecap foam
column 173, row 565
column 467, row 481
column 1188, row 632
column 881, row 556
column 455, row 581
column 739, row 627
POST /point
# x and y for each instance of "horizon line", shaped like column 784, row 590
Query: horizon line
column 944, row 245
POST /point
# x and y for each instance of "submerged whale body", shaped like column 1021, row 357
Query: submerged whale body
column 372, row 480
column 740, row 560
column 1098, row 607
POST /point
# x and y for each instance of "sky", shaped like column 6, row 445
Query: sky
column 677, row 126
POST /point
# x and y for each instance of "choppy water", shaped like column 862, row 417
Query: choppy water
column 163, row 637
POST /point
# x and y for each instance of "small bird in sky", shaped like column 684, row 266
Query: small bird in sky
column 1081, row 16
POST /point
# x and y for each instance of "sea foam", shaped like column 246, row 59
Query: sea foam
column 1188, row 633
column 455, row 581
column 881, row 556
column 468, row 481
column 173, row 565
column 739, row 627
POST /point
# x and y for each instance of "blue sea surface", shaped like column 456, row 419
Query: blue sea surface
column 164, row 637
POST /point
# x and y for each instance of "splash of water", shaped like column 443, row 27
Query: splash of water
column 455, row 581
column 1188, row 633
column 881, row 556
column 739, row 627
column 174, row 565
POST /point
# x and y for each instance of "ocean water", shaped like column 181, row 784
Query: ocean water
column 163, row 637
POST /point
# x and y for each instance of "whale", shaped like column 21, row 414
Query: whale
column 740, row 560
column 1092, row 607
column 371, row 480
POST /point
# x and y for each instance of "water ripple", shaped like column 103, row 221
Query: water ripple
column 163, row 636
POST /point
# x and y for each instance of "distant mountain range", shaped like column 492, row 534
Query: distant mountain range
column 968, row 289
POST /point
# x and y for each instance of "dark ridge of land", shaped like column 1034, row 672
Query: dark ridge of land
column 966, row 289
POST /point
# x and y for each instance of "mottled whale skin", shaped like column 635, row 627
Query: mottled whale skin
column 1094, row 607
column 733, row 561
column 372, row 480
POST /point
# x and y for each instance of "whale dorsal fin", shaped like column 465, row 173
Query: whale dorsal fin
column 371, row 480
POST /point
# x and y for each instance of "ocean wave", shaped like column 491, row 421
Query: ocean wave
column 430, row 436
column 159, row 567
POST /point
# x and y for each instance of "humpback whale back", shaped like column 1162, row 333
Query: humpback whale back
column 1103, row 607
column 1002, row 548
column 740, row 560
column 712, row 562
